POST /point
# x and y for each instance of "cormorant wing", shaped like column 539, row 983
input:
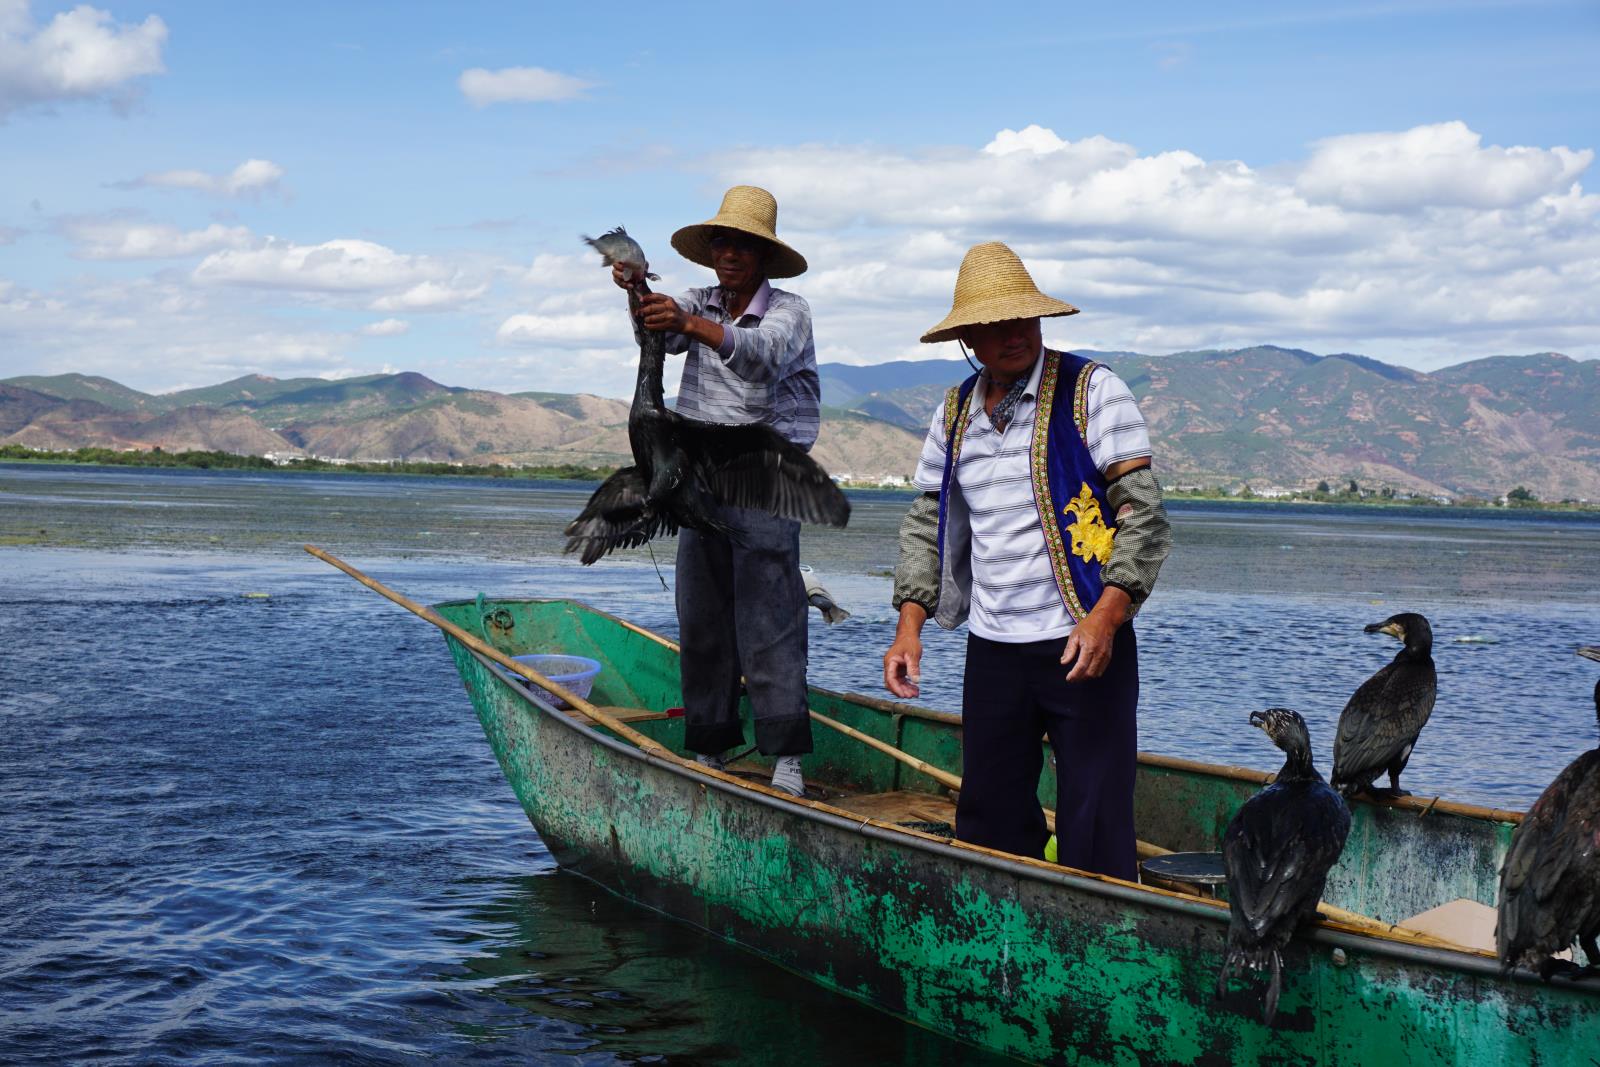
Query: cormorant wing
column 751, row 465
column 616, row 516
column 1551, row 878
column 1277, row 852
column 1383, row 716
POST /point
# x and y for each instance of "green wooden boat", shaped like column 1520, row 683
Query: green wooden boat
column 1020, row 957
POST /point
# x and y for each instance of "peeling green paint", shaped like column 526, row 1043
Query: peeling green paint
column 1005, row 956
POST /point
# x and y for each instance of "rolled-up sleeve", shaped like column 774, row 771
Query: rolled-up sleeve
column 1143, row 537
column 760, row 353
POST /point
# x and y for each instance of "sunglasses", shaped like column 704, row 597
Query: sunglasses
column 747, row 245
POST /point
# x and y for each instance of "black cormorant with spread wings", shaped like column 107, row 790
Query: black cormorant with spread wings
column 1550, row 884
column 1277, row 852
column 1379, row 726
column 682, row 468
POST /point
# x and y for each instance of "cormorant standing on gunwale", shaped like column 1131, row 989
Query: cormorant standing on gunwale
column 1277, row 852
column 682, row 466
column 1379, row 726
column 1550, row 884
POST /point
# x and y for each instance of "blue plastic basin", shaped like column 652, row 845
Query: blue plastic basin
column 570, row 672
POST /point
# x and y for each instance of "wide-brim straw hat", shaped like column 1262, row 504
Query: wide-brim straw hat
column 994, row 286
column 747, row 209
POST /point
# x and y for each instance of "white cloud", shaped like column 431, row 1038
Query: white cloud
column 430, row 296
column 252, row 177
column 123, row 237
column 568, row 329
column 1033, row 139
column 520, row 85
column 1483, row 249
column 386, row 328
column 1444, row 165
column 344, row 265
column 9, row 235
column 149, row 332
column 81, row 54
column 1162, row 250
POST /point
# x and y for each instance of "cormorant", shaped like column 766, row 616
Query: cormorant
column 1277, row 852
column 683, row 467
column 1379, row 726
column 1550, row 884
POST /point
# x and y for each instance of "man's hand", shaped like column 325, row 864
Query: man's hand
column 661, row 313
column 902, row 664
column 1088, row 650
column 616, row 276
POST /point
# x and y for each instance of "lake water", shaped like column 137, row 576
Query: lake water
column 269, row 829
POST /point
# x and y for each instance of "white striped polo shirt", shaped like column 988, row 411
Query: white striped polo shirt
column 1014, row 593
column 765, row 371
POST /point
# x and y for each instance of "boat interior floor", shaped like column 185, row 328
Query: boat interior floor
column 917, row 811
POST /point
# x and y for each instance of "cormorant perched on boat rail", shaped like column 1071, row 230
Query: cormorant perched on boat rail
column 681, row 466
column 1550, row 884
column 1277, row 851
column 1379, row 726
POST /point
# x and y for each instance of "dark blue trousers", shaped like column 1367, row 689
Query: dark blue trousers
column 1012, row 695
column 742, row 610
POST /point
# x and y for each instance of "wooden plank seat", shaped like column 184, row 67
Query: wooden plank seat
column 900, row 807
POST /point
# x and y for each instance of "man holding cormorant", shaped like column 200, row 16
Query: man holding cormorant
column 1040, row 525
column 749, row 357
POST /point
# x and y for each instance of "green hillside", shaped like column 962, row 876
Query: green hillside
column 1266, row 415
column 112, row 394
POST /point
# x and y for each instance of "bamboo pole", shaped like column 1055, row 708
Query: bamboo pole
column 938, row 774
column 1144, row 849
column 579, row 704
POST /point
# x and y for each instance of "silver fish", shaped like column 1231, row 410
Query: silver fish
column 615, row 246
column 820, row 598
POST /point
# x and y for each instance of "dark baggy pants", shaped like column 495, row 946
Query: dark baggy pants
column 1012, row 695
column 742, row 609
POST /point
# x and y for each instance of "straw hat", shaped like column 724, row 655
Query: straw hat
column 994, row 286
column 749, row 210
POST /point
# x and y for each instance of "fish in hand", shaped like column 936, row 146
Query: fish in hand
column 615, row 246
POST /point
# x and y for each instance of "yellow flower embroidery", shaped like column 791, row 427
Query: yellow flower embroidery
column 1091, row 539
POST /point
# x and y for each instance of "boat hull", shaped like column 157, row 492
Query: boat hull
column 1017, row 957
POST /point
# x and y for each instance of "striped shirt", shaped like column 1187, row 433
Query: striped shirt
column 764, row 371
column 1014, row 592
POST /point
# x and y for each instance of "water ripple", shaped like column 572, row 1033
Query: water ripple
column 269, row 829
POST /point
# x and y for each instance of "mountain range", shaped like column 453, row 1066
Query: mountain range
column 1264, row 416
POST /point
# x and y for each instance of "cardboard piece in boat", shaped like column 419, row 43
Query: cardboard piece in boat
column 1466, row 922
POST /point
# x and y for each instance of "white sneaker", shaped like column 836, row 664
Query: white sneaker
column 786, row 776
column 716, row 763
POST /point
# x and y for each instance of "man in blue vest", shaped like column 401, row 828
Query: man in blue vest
column 1041, row 526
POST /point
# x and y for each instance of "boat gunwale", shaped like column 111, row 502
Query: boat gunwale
column 1322, row 931
column 1421, row 805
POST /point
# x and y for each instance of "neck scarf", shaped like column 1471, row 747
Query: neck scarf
column 1008, row 404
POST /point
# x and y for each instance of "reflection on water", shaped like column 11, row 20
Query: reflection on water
column 269, row 828
column 609, row 975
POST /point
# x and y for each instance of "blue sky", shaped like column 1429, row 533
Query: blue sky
column 193, row 191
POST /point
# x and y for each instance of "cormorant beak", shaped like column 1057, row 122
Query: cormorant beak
column 1389, row 626
column 1590, row 652
column 1258, row 719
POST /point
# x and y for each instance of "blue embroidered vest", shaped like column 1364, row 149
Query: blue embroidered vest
column 1069, row 491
